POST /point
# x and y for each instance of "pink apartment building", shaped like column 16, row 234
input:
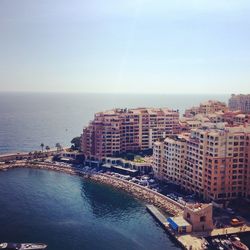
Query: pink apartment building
column 122, row 130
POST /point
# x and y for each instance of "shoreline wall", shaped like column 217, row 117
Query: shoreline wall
column 140, row 192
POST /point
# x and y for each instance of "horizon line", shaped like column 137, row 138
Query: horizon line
column 108, row 93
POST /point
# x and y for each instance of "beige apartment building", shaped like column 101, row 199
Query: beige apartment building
column 158, row 155
column 231, row 117
column 121, row 130
column 212, row 161
column 208, row 107
column 239, row 102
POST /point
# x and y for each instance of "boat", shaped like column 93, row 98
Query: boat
column 237, row 243
column 227, row 244
column 22, row 246
column 236, row 222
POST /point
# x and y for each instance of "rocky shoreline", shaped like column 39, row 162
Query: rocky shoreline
column 141, row 193
column 136, row 190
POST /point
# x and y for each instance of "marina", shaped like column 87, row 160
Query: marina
column 156, row 201
column 188, row 242
column 70, row 212
column 136, row 190
column 196, row 240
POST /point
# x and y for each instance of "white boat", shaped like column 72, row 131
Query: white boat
column 22, row 246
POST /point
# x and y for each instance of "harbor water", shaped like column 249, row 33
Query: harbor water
column 68, row 212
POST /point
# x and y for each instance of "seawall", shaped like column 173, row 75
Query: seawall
column 140, row 192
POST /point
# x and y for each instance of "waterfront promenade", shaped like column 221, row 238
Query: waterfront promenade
column 194, row 240
column 185, row 241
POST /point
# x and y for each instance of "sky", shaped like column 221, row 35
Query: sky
column 139, row 46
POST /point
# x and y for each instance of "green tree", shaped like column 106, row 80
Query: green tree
column 58, row 147
column 76, row 143
column 42, row 146
column 47, row 148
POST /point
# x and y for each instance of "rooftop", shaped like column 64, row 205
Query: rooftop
column 179, row 221
column 198, row 206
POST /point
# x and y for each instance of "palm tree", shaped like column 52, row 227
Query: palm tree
column 42, row 146
column 58, row 146
column 47, row 148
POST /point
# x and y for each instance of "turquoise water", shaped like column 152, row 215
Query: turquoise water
column 68, row 212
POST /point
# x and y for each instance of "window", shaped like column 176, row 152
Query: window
column 202, row 218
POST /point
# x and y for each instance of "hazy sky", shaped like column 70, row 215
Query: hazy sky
column 146, row 46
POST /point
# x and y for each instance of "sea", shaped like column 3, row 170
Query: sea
column 29, row 119
column 68, row 212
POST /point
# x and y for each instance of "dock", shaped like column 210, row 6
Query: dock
column 156, row 214
column 194, row 240
column 225, row 231
column 185, row 241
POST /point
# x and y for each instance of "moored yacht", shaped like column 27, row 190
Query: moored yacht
column 237, row 243
column 22, row 246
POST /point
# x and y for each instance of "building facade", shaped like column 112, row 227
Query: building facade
column 212, row 161
column 158, row 155
column 240, row 102
column 127, row 130
column 208, row 107
column 200, row 216
column 142, row 166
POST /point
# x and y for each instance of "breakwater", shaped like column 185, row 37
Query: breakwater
column 140, row 192
column 42, row 206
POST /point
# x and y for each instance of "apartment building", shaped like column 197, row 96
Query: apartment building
column 174, row 156
column 205, row 108
column 158, row 154
column 240, row 102
column 212, row 161
column 103, row 128
column 231, row 117
column 122, row 130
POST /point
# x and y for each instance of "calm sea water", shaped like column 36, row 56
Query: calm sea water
column 64, row 211
column 26, row 120
column 69, row 213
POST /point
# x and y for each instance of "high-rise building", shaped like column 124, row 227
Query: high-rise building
column 158, row 154
column 239, row 102
column 124, row 130
column 212, row 161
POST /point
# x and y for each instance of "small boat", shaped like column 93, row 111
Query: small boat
column 236, row 222
column 237, row 243
column 22, row 246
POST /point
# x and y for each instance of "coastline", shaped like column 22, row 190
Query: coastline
column 171, row 207
column 185, row 241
